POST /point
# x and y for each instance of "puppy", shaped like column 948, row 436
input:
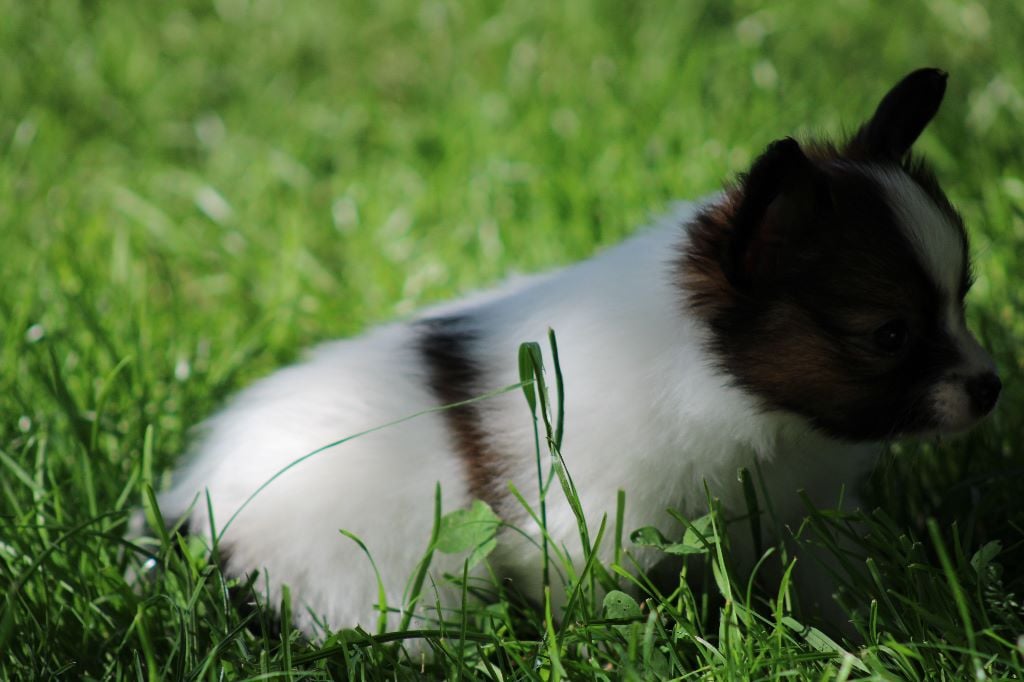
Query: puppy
column 811, row 311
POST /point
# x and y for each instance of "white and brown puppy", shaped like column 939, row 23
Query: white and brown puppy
column 811, row 311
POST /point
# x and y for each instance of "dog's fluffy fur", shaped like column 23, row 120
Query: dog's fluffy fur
column 807, row 313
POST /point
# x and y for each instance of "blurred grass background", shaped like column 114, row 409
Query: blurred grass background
column 191, row 192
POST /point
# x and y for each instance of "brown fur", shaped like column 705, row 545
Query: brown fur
column 446, row 346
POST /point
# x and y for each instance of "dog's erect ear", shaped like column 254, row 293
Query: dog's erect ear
column 901, row 116
column 782, row 194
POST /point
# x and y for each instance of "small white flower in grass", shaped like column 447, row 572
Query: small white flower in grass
column 35, row 333
column 182, row 370
column 24, row 424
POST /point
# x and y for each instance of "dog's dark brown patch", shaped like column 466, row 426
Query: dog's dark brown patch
column 446, row 345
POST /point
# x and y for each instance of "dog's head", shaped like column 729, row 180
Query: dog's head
column 832, row 279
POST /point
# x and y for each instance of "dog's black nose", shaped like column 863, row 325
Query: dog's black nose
column 984, row 391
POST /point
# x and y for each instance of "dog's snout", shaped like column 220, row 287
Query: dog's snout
column 984, row 392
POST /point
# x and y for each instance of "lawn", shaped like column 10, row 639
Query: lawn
column 190, row 193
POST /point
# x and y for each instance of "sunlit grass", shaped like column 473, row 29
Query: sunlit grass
column 192, row 192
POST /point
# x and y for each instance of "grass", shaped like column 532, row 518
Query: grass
column 192, row 192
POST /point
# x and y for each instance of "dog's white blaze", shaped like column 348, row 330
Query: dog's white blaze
column 935, row 238
column 940, row 247
column 975, row 358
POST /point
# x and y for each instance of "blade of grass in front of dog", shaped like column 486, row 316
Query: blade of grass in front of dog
column 751, row 579
column 556, row 672
column 536, row 369
column 551, row 546
column 153, row 516
column 719, row 567
column 781, row 605
column 620, row 514
column 555, row 441
column 559, row 390
column 147, row 455
column 424, row 565
column 528, row 378
column 879, row 584
column 776, row 527
column 958, row 594
column 753, row 509
column 286, row 626
column 463, row 618
column 588, row 567
column 382, row 597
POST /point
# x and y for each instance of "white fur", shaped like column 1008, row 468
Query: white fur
column 645, row 412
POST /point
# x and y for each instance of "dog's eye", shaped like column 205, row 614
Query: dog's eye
column 891, row 336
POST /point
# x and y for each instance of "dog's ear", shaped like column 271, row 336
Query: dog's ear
column 901, row 116
column 782, row 195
